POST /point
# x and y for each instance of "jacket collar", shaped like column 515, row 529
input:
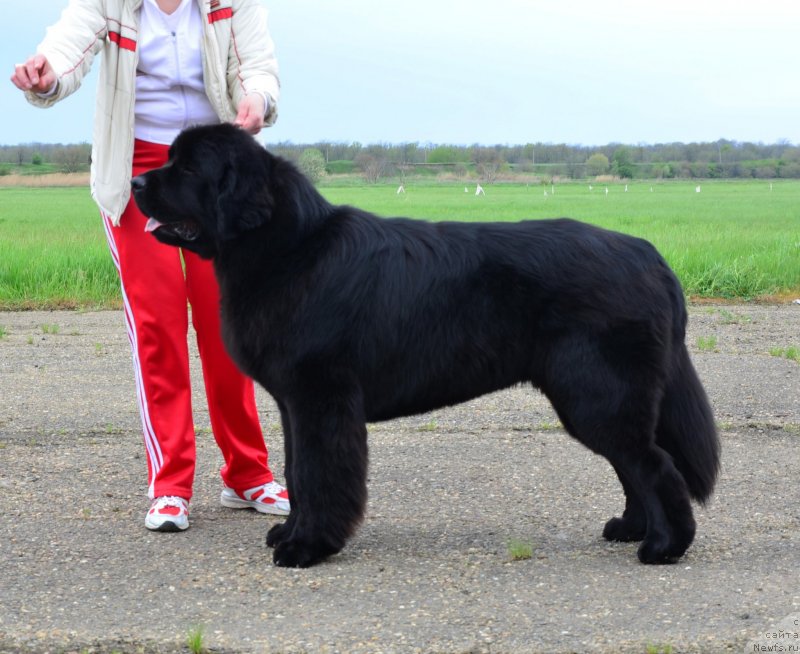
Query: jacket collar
column 206, row 6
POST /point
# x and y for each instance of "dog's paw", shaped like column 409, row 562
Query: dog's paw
column 659, row 552
column 302, row 553
column 624, row 530
column 277, row 534
column 295, row 554
column 669, row 546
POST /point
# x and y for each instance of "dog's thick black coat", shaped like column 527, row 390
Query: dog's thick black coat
column 346, row 318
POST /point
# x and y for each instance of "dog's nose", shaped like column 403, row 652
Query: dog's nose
column 138, row 183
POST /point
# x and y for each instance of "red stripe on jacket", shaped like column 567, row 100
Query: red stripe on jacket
column 220, row 14
column 122, row 42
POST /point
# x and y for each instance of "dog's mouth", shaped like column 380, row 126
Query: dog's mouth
column 186, row 230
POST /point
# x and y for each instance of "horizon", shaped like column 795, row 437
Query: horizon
column 430, row 144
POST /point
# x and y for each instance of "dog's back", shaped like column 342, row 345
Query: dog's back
column 494, row 301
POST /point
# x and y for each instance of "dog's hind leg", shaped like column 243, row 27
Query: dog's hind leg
column 327, row 476
column 632, row 526
column 613, row 411
column 670, row 523
column 657, row 507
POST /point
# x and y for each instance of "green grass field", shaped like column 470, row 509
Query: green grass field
column 731, row 240
column 53, row 251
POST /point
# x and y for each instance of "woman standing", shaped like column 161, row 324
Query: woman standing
column 167, row 65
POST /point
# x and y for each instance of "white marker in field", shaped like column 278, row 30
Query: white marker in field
column 697, row 188
column 606, row 190
column 400, row 189
column 479, row 190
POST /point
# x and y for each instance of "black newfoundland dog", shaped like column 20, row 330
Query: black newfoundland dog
column 347, row 318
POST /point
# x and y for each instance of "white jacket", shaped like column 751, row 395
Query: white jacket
column 238, row 58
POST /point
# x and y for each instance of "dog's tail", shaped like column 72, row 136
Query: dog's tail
column 686, row 427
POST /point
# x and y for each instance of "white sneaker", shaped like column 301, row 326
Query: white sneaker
column 267, row 498
column 168, row 513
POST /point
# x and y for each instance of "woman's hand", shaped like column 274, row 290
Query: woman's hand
column 36, row 75
column 251, row 113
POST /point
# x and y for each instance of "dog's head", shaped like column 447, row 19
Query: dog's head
column 213, row 189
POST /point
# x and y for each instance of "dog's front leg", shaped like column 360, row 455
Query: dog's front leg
column 280, row 532
column 327, row 477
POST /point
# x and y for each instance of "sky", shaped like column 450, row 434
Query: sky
column 496, row 72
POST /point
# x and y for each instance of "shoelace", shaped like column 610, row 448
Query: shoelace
column 272, row 490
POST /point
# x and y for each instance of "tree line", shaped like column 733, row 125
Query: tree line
column 717, row 159
column 72, row 158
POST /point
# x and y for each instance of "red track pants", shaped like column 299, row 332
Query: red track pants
column 155, row 291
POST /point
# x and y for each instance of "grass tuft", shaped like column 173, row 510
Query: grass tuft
column 519, row 550
column 431, row 425
column 792, row 353
column 707, row 343
column 729, row 318
column 195, row 638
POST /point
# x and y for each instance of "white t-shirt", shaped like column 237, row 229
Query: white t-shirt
column 170, row 94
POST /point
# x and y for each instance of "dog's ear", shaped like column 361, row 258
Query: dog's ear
column 244, row 201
